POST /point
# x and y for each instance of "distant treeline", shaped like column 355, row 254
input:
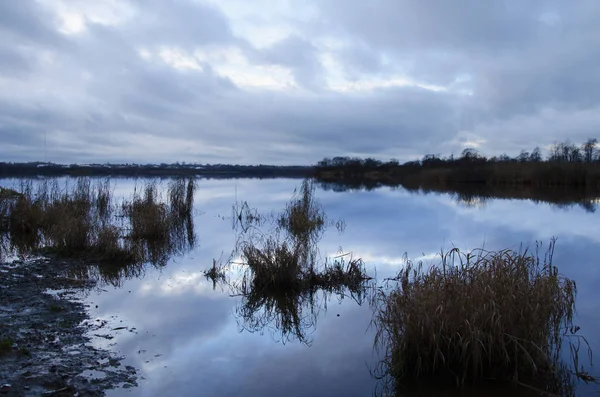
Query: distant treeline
column 8, row 170
column 567, row 165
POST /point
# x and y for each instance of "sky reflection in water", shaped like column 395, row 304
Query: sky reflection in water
column 187, row 339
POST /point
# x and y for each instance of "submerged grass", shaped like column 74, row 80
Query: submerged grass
column 477, row 315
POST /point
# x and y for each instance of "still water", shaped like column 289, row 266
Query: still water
column 186, row 337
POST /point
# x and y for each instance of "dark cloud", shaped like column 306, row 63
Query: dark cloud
column 25, row 22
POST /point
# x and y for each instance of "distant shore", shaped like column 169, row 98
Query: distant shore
column 33, row 169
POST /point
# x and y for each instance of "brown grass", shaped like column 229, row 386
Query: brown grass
column 82, row 220
column 287, row 258
column 148, row 216
column 303, row 215
column 477, row 315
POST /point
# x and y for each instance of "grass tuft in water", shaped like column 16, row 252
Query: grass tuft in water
column 477, row 315
column 303, row 215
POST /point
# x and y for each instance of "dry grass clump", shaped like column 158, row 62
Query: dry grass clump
column 303, row 215
column 279, row 292
column 181, row 196
column 149, row 218
column 343, row 274
column 274, row 265
column 283, row 275
column 82, row 220
column 158, row 228
column 65, row 219
column 284, row 267
column 477, row 315
column 287, row 266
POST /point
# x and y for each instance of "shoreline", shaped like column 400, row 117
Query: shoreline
column 45, row 334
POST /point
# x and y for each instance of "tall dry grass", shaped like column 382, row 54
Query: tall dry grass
column 81, row 219
column 303, row 216
column 477, row 315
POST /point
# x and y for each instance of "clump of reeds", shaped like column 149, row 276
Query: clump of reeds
column 279, row 292
column 303, row 215
column 82, row 220
column 283, row 272
column 477, row 315
column 289, row 266
column 181, row 196
column 159, row 228
column 148, row 216
column 52, row 217
column 274, row 265
column 68, row 218
column 343, row 273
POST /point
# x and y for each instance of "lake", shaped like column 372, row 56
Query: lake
column 188, row 336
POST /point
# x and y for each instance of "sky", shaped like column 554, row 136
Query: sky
column 293, row 81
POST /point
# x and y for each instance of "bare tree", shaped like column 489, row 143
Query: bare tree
column 589, row 149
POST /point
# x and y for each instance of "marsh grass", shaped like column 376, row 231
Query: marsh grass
column 283, row 271
column 343, row 273
column 477, row 315
column 289, row 303
column 283, row 280
column 287, row 257
column 82, row 220
column 148, row 216
column 303, row 216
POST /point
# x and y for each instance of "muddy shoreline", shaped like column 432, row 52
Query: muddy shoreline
column 45, row 332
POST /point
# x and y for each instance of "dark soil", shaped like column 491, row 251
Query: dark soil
column 45, row 334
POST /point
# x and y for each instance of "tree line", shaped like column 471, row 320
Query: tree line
column 566, row 164
column 559, row 152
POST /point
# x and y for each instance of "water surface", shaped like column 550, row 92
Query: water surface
column 187, row 338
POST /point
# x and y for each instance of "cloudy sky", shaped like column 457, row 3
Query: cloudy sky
column 293, row 81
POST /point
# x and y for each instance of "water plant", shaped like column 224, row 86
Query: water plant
column 474, row 316
column 82, row 220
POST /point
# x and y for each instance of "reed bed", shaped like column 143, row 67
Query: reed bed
column 82, row 220
column 476, row 316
